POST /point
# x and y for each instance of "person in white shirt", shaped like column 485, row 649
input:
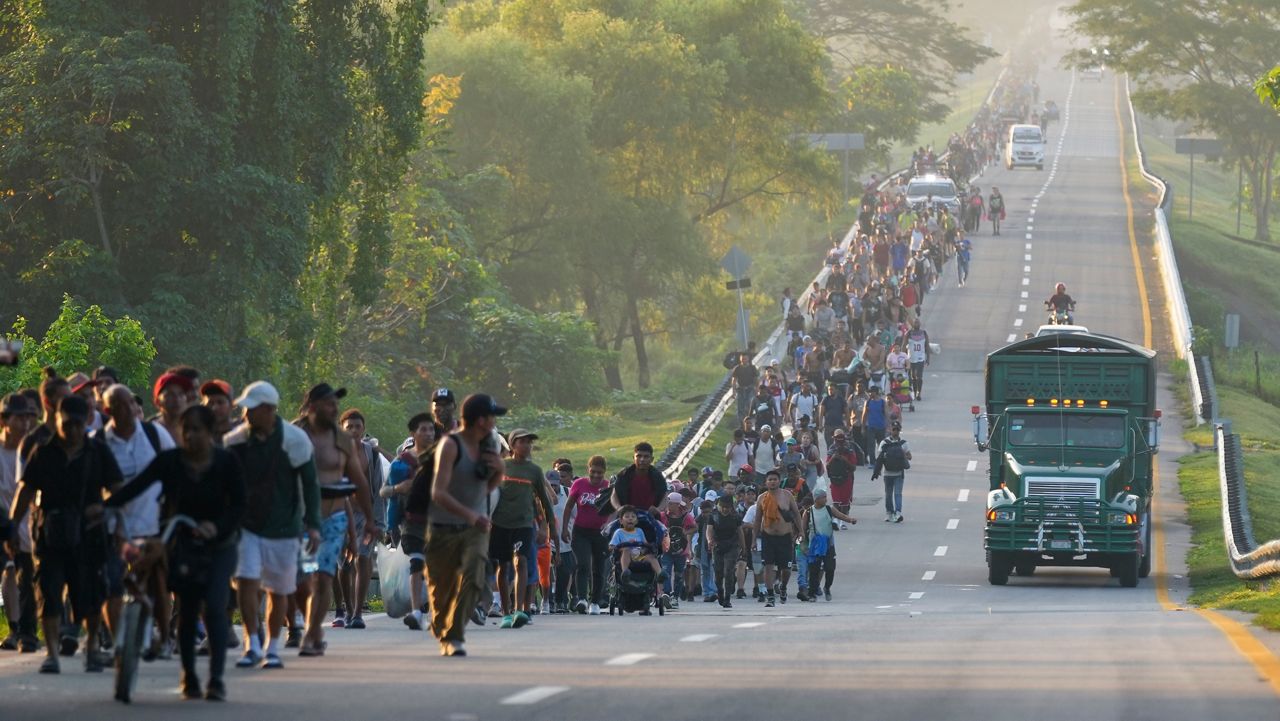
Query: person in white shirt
column 737, row 452
column 135, row 443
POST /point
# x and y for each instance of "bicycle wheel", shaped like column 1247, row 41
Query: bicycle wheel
column 133, row 619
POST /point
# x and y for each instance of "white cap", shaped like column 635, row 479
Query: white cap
column 711, row 496
column 258, row 393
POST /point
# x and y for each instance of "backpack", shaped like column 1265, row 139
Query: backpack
column 679, row 540
column 893, row 457
column 153, row 436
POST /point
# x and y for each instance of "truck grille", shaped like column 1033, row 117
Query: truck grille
column 1062, row 487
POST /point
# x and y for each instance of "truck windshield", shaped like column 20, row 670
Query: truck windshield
column 1067, row 429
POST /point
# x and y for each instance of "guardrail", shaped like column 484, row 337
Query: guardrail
column 1175, row 299
column 707, row 417
column 1248, row 559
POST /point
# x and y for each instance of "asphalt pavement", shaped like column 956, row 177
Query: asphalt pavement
column 913, row 632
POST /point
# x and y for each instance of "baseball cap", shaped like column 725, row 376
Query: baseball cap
column 766, row 427
column 553, row 477
column 519, row 433
column 711, row 496
column 792, row 441
column 442, row 395
column 480, row 405
column 793, row 466
column 217, row 386
column 16, row 404
column 675, row 497
column 321, row 391
column 707, row 470
column 819, row 492
column 677, row 486
column 838, row 433
column 257, row 394
column 896, row 425
column 746, row 467
column 174, row 379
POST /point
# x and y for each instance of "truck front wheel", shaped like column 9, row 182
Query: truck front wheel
column 998, row 567
column 1127, row 566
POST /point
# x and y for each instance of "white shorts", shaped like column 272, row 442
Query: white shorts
column 273, row 561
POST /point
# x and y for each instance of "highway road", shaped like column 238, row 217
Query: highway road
column 914, row 631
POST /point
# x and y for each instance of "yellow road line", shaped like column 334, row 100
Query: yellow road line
column 1248, row 646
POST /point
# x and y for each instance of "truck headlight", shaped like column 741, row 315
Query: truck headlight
column 1000, row 514
column 1117, row 518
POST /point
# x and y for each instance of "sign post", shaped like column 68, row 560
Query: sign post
column 736, row 263
column 1211, row 148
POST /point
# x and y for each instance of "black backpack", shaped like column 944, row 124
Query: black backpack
column 893, row 457
column 679, row 541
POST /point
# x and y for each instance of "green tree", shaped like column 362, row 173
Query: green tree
column 917, row 35
column 883, row 103
column 81, row 338
column 1198, row 61
column 1268, row 88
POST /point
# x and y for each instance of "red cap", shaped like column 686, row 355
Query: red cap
column 746, row 467
column 215, row 387
column 168, row 379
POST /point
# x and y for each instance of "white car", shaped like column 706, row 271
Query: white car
column 1051, row 329
column 1024, row 146
column 1093, row 72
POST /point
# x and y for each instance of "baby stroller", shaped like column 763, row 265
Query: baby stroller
column 900, row 390
column 640, row 589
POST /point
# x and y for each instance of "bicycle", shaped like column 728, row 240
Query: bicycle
column 133, row 634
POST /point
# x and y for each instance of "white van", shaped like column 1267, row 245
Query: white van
column 1024, row 146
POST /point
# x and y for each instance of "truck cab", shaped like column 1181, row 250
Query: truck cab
column 1071, row 434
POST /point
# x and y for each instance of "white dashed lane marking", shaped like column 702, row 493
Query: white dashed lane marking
column 1025, row 294
column 749, row 624
column 1017, row 322
column 628, row 659
column 953, row 524
column 971, row 466
column 1012, row 337
column 534, row 695
column 1022, row 307
column 916, row 595
column 1028, row 236
column 940, row 551
column 698, row 638
column 929, row 575
column 964, row 495
column 1026, row 281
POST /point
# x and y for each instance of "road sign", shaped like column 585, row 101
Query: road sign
column 736, row 262
column 1231, row 338
column 740, row 284
column 838, row 141
column 1211, row 147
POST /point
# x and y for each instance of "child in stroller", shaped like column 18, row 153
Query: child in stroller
column 636, row 541
column 900, row 390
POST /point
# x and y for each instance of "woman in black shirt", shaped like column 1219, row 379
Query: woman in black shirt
column 205, row 483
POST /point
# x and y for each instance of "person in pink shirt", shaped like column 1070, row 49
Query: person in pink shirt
column 590, row 547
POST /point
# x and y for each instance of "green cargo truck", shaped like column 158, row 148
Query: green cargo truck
column 1071, row 428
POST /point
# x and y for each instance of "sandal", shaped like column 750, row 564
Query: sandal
column 50, row 665
column 313, row 650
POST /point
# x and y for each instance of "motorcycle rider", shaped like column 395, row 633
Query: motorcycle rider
column 1060, row 304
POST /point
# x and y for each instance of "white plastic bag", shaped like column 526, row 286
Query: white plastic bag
column 393, row 580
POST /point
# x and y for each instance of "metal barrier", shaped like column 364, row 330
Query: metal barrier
column 1248, row 559
column 707, row 417
column 1175, row 298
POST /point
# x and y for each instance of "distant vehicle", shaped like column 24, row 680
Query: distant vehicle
column 1093, row 72
column 1051, row 329
column 934, row 190
column 1025, row 146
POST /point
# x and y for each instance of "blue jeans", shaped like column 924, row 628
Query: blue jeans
column 673, row 564
column 893, row 492
column 802, row 569
column 745, row 396
column 708, row 571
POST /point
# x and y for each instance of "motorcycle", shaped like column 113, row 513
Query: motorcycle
column 1060, row 316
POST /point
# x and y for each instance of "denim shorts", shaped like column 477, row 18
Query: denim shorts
column 333, row 537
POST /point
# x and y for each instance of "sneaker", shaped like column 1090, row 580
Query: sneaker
column 593, row 610
column 453, row 648
column 28, row 645
column 888, row 518
column 339, row 620
column 294, row 639
column 190, row 689
column 520, row 619
column 898, row 519
column 356, row 623
column 768, row 602
column 165, row 652
column 202, row 649
column 272, row 661
column 67, row 645
column 710, row 598
column 50, row 665
column 801, row 595
column 741, row 593
column 508, row 621
column 215, row 691
column 580, row 606
column 783, row 596
column 726, row 603
column 495, row 611
column 811, row 597
column 760, row 598
column 827, row 594
column 93, row 664
column 249, row 660
column 479, row 616
column 10, row 643
column 412, row 622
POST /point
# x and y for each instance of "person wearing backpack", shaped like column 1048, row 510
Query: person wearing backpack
column 680, row 529
column 893, row 459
